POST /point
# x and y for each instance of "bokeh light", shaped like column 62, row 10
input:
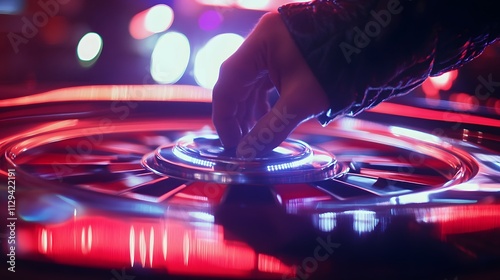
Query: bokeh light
column 159, row 18
column 89, row 48
column 445, row 80
column 11, row 6
column 220, row 3
column 210, row 20
column 156, row 19
column 264, row 5
column 464, row 102
column 170, row 58
column 253, row 4
column 433, row 85
column 56, row 31
column 210, row 58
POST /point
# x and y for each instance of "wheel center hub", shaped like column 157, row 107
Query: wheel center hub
column 203, row 158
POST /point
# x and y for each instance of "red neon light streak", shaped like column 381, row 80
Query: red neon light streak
column 174, row 246
column 445, row 116
column 115, row 93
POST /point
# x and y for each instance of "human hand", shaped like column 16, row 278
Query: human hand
column 240, row 110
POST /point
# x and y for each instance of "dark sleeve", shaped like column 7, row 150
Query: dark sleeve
column 365, row 51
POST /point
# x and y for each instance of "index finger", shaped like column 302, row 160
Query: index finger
column 237, row 73
column 225, row 99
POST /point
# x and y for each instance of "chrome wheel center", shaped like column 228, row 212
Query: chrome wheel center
column 203, row 158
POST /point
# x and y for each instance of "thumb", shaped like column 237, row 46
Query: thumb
column 269, row 131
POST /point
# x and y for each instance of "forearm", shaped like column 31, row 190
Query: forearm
column 464, row 29
column 363, row 52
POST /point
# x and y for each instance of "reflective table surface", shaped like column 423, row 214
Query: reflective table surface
column 109, row 185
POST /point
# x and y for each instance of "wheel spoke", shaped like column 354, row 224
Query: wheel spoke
column 156, row 190
column 383, row 186
column 344, row 190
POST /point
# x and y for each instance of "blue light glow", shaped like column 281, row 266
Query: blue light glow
column 289, row 165
column 202, row 216
column 327, row 221
column 195, row 161
column 422, row 136
column 363, row 220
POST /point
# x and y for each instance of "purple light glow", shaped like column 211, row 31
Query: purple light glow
column 210, row 20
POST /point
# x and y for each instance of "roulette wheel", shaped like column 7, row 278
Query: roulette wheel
column 124, row 182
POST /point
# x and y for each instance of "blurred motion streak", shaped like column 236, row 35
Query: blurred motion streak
column 100, row 241
column 115, row 92
column 461, row 218
column 428, row 114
